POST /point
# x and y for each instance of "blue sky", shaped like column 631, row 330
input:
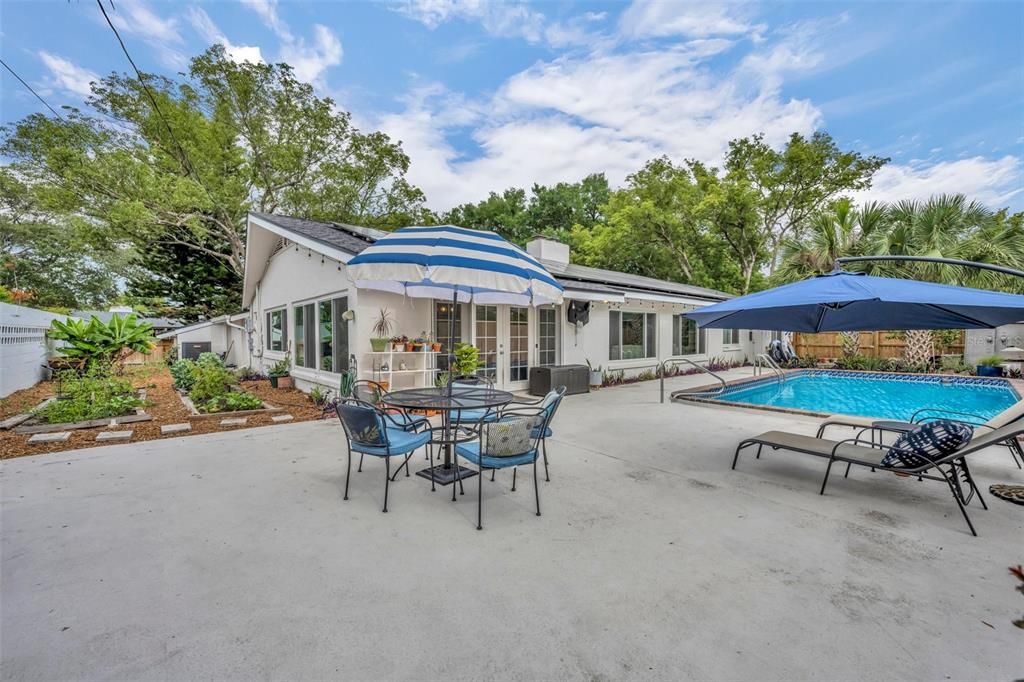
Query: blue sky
column 487, row 96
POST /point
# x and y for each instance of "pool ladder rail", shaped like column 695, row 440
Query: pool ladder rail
column 677, row 360
column 764, row 360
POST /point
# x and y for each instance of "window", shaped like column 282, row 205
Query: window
column 277, row 330
column 487, row 340
column 332, row 334
column 518, row 343
column 547, row 336
column 730, row 337
column 305, row 335
column 684, row 336
column 632, row 336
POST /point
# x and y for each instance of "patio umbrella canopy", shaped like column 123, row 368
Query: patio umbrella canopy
column 852, row 301
column 447, row 261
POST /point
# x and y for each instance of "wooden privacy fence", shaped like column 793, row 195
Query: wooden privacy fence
column 872, row 344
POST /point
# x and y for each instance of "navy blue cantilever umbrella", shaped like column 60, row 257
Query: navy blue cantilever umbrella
column 852, row 301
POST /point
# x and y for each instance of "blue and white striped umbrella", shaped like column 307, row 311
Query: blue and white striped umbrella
column 445, row 261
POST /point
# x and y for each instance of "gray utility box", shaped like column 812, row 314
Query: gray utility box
column 575, row 378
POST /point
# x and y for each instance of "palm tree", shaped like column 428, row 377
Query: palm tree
column 839, row 231
column 945, row 226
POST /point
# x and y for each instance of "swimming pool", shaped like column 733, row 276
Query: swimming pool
column 870, row 394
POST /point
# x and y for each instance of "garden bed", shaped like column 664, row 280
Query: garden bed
column 163, row 406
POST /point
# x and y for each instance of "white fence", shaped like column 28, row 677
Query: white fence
column 23, row 346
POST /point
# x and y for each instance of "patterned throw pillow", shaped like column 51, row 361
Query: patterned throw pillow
column 927, row 443
column 363, row 423
column 508, row 437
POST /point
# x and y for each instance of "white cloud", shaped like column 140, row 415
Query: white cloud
column 204, row 25
column 504, row 19
column 993, row 182
column 599, row 112
column 309, row 60
column 136, row 18
column 67, row 76
column 659, row 18
column 267, row 11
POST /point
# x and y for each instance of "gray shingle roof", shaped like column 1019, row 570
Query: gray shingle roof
column 354, row 238
column 349, row 238
column 571, row 274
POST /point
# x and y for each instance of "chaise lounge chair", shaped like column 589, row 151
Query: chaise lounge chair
column 1011, row 414
column 951, row 469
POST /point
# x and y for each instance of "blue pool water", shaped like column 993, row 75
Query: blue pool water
column 876, row 395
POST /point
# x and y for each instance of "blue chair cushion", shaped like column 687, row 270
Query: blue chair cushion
column 474, row 416
column 927, row 443
column 400, row 442
column 536, row 433
column 471, row 452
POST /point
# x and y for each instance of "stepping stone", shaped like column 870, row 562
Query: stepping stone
column 282, row 418
column 59, row 437
column 234, row 421
column 174, row 428
column 114, row 435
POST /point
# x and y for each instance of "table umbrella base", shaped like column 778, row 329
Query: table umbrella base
column 446, row 475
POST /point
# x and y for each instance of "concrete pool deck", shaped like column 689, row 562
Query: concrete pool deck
column 232, row 556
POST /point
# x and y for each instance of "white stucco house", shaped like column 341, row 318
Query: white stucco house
column 296, row 294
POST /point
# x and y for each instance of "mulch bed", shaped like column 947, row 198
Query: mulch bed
column 163, row 404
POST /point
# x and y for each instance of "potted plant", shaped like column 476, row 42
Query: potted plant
column 279, row 373
column 434, row 345
column 420, row 342
column 990, row 366
column 467, row 359
column 398, row 343
column 381, row 330
column 596, row 375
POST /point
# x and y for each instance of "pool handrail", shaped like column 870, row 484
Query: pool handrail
column 762, row 360
column 675, row 360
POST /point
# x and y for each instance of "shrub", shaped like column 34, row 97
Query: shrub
column 183, row 373
column 210, row 381
column 232, row 401
column 318, row 395
column 209, row 360
column 102, row 343
column 92, row 395
column 990, row 361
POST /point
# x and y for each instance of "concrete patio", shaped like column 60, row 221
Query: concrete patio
column 233, row 556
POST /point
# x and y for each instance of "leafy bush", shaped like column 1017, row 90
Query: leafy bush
column 281, row 367
column 183, row 373
column 209, row 360
column 102, row 343
column 318, row 395
column 210, row 382
column 990, row 361
column 92, row 395
column 232, row 402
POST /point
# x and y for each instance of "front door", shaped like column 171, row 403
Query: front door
column 502, row 333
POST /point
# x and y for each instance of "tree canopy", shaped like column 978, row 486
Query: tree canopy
column 173, row 177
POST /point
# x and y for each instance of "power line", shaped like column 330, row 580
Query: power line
column 185, row 160
column 29, row 88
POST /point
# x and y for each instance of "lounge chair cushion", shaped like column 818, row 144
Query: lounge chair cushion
column 927, row 443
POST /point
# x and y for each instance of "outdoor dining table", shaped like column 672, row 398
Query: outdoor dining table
column 447, row 399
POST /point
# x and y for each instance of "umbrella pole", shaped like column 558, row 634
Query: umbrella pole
column 451, row 357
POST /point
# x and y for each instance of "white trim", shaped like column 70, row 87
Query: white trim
column 573, row 294
column 666, row 298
